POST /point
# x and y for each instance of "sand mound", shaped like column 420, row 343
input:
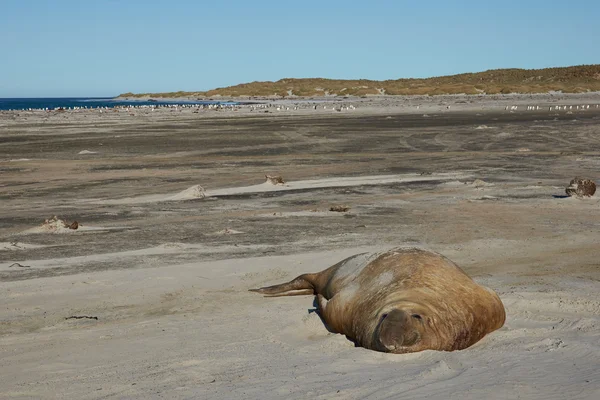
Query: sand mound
column 479, row 183
column 57, row 225
column 19, row 246
column 194, row 192
column 303, row 213
column 275, row 180
column 52, row 225
column 228, row 231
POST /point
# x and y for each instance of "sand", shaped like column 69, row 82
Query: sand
column 148, row 298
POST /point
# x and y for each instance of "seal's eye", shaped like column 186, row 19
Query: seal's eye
column 417, row 316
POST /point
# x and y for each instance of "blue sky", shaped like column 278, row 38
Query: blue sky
column 103, row 48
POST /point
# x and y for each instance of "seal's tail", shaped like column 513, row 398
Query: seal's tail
column 300, row 286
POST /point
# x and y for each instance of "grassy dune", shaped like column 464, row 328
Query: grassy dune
column 576, row 79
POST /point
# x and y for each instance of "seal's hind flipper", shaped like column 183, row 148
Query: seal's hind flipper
column 300, row 286
column 302, row 292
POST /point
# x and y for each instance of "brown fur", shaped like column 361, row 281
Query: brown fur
column 275, row 180
column 73, row 225
column 400, row 301
column 581, row 187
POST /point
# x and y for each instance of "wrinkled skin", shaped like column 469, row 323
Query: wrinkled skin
column 400, row 301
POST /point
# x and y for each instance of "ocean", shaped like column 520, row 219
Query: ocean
column 89, row 102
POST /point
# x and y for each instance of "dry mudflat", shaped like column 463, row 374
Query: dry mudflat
column 148, row 297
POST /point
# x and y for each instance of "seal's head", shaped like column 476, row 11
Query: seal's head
column 398, row 330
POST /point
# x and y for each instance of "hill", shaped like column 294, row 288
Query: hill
column 576, row 79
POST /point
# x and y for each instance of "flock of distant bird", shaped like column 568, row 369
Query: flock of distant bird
column 554, row 108
column 274, row 106
column 216, row 106
column 279, row 107
column 129, row 107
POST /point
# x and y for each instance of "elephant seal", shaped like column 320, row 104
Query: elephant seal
column 580, row 187
column 401, row 300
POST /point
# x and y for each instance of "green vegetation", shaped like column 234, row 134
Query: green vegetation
column 575, row 79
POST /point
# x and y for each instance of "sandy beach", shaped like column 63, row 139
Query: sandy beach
column 149, row 298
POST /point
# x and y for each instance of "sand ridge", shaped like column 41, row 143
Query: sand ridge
column 197, row 192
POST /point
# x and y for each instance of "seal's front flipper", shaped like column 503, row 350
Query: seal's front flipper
column 300, row 286
column 329, row 312
column 321, row 304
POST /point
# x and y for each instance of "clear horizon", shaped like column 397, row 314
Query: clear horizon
column 77, row 49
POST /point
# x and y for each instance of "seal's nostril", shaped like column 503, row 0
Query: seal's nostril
column 417, row 316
